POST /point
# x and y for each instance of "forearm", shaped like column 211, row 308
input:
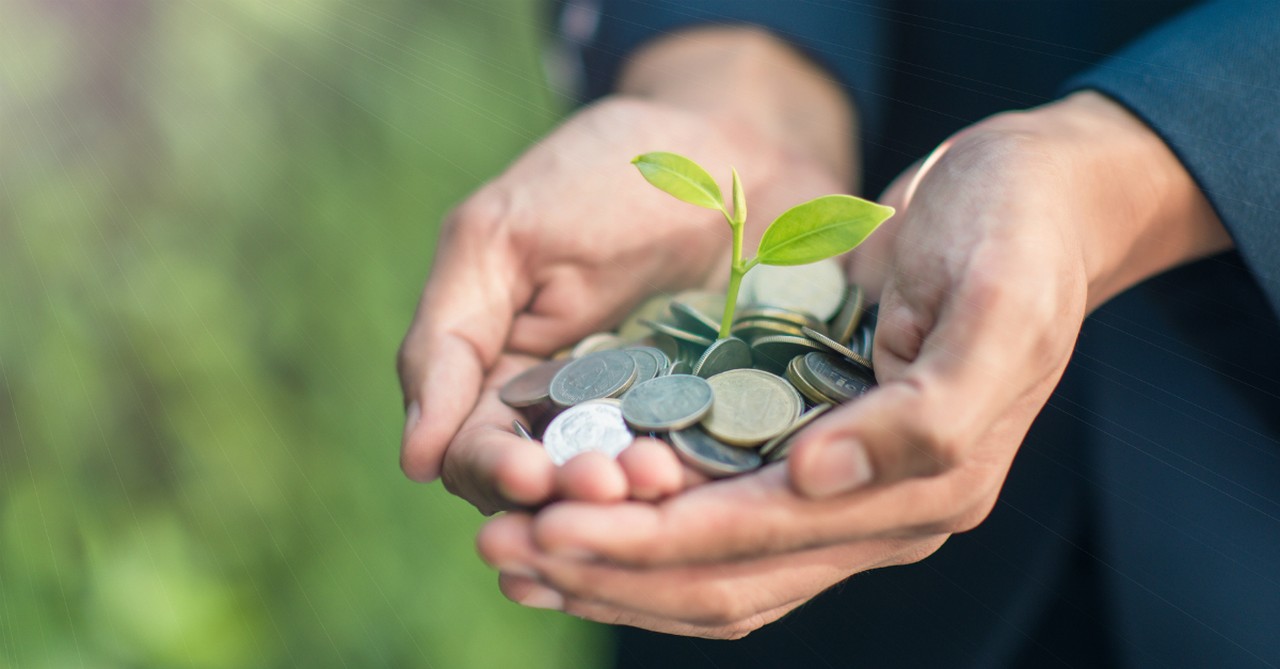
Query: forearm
column 751, row 82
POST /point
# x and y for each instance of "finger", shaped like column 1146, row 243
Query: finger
column 755, row 516
column 459, row 328
column 490, row 466
column 612, row 615
column 591, row 477
column 993, row 354
column 715, row 595
column 653, row 471
column 529, row 592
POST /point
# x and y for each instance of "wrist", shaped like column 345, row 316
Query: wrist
column 1140, row 212
column 753, row 86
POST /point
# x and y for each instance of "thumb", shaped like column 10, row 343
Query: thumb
column 457, row 334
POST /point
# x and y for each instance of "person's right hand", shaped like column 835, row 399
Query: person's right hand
column 564, row 243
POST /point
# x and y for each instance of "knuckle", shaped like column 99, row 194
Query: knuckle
column 486, row 208
column 720, row 606
column 938, row 449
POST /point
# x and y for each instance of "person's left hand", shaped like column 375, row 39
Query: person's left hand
column 1007, row 236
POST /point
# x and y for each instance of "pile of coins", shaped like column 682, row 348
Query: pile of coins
column 800, row 344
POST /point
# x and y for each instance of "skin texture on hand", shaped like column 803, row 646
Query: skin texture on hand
column 570, row 238
column 1007, row 236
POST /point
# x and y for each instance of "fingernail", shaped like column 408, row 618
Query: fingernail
column 544, row 598
column 411, row 418
column 838, row 467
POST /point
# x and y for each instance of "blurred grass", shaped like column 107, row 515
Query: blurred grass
column 215, row 218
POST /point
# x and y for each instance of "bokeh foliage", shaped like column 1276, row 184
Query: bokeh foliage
column 215, row 218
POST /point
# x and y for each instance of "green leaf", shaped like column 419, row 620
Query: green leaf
column 821, row 228
column 739, row 199
column 680, row 177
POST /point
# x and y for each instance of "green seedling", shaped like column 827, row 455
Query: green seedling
column 806, row 233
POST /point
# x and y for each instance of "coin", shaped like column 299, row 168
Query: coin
column 600, row 341
column 691, row 319
column 864, row 340
column 799, row 319
column 594, row 376
column 816, row 288
column 521, row 430
column 752, row 329
column 532, row 386
column 836, row 378
column 679, row 334
column 665, row 343
column 594, row 425
column 722, row 356
column 802, row 384
column 774, row 352
column 680, row 367
column 845, row 322
column 648, row 365
column 750, row 407
column 713, row 458
column 780, row 446
column 658, row 356
column 839, row 348
column 667, row 403
column 709, row 304
column 652, row 309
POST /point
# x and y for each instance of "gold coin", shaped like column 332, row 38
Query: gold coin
column 750, row 407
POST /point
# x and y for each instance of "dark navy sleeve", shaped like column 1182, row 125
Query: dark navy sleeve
column 1208, row 82
column 844, row 37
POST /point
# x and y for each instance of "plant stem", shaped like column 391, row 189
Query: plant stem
column 737, row 270
column 731, row 298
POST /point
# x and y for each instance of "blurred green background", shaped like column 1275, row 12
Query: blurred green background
column 215, row 218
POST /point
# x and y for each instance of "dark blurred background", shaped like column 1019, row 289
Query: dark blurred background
column 215, row 217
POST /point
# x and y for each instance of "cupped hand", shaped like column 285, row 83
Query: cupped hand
column 1006, row 236
column 564, row 243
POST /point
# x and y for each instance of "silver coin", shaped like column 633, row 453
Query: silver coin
column 664, row 343
column 774, row 352
column 521, row 430
column 692, row 320
column 680, row 367
column 780, row 446
column 655, row 308
column 839, row 348
column 592, row 426
column 846, row 322
column 816, row 288
column 659, row 358
column 532, row 386
column 600, row 341
column 594, row 376
column 667, row 403
column 679, row 334
column 750, row 407
column 647, row 366
column 722, row 356
column 837, row 378
column 702, row 452
column 795, row 374
column 864, row 340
